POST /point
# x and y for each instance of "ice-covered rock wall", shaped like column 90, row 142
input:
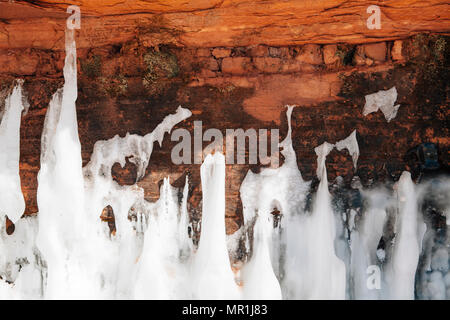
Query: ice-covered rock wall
column 298, row 245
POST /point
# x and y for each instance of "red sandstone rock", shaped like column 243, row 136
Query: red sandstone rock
column 396, row 51
column 203, row 52
column 268, row 64
column 221, row 52
column 216, row 23
column 311, row 54
column 329, row 54
column 376, row 51
column 236, row 65
column 259, row 51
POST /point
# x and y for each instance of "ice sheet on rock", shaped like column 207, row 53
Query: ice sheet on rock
column 138, row 148
column 351, row 144
column 12, row 203
column 383, row 100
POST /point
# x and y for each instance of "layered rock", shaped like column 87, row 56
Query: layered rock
column 40, row 24
column 235, row 65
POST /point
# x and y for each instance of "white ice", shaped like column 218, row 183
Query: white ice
column 383, row 100
column 12, row 203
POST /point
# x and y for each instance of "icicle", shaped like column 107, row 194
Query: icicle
column 12, row 203
column 259, row 279
column 162, row 269
column 212, row 277
column 281, row 189
column 408, row 242
column 320, row 273
column 364, row 243
column 60, row 192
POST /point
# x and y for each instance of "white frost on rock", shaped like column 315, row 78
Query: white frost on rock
column 384, row 100
column 12, row 203
column 351, row 144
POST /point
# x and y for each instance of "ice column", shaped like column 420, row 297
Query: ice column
column 60, row 192
column 12, row 203
column 408, row 242
column 211, row 271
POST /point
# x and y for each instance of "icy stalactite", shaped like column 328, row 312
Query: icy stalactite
column 163, row 266
column 259, row 280
column 383, row 100
column 84, row 260
column 364, row 240
column 60, row 195
column 410, row 229
column 212, row 276
column 12, row 203
column 281, row 189
column 310, row 268
column 351, row 144
column 322, row 152
column 320, row 273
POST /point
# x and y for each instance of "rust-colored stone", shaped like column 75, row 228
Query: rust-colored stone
column 376, row 51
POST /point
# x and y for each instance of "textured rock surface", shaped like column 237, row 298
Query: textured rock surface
column 215, row 23
column 234, row 65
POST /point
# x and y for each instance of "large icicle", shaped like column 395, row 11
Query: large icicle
column 282, row 189
column 212, row 277
column 12, row 203
column 259, row 279
column 363, row 244
column 60, row 192
column 408, row 242
column 321, row 274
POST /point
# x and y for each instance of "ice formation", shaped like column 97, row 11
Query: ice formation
column 298, row 244
column 12, row 203
column 212, row 277
column 383, row 100
column 351, row 144
column 364, row 240
column 410, row 229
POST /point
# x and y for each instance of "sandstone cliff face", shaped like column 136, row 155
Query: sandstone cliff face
column 235, row 64
column 40, row 24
